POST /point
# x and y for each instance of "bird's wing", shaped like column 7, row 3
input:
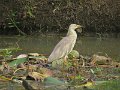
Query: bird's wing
column 62, row 48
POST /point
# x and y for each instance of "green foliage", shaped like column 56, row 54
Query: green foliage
column 17, row 62
column 13, row 23
column 55, row 15
column 58, row 63
column 79, row 77
column 74, row 54
column 7, row 52
column 29, row 11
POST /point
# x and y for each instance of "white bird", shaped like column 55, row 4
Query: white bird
column 66, row 45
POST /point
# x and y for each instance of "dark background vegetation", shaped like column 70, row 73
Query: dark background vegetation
column 36, row 16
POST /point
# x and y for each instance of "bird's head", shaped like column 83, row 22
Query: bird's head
column 75, row 27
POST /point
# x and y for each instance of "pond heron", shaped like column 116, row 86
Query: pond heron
column 66, row 45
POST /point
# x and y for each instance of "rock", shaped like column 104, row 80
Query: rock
column 100, row 60
column 32, row 85
column 22, row 56
column 33, row 54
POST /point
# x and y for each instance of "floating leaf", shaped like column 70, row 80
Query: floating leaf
column 17, row 61
column 53, row 81
column 88, row 84
column 3, row 78
column 36, row 75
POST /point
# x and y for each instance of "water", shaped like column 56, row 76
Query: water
column 10, row 86
column 45, row 45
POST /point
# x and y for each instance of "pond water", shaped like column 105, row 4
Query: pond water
column 44, row 45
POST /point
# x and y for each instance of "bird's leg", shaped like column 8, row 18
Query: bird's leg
column 65, row 59
column 64, row 63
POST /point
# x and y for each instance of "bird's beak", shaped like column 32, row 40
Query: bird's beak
column 79, row 28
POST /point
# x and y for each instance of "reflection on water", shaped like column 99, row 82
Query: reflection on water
column 45, row 44
column 10, row 86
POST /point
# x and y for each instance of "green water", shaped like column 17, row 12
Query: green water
column 45, row 45
column 10, row 86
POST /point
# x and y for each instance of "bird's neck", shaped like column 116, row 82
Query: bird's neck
column 72, row 32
